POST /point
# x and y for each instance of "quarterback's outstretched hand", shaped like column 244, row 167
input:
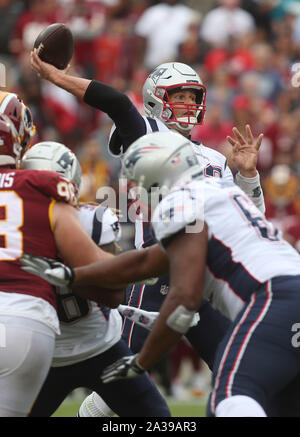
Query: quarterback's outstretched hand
column 52, row 271
column 244, row 151
column 124, row 368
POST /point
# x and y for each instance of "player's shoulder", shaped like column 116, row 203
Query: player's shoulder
column 100, row 222
column 209, row 153
column 36, row 176
column 180, row 208
column 102, row 213
column 154, row 124
column 117, row 144
column 48, row 183
column 111, row 229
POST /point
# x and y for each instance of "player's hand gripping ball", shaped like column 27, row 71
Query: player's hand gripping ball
column 55, row 45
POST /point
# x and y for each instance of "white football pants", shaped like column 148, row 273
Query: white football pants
column 26, row 350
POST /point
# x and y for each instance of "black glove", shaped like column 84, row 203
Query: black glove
column 124, row 368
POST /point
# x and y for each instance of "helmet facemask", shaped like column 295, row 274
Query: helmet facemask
column 193, row 112
column 165, row 80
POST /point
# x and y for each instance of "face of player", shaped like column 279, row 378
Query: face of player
column 183, row 97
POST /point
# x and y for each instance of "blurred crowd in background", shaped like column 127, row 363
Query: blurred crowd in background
column 247, row 53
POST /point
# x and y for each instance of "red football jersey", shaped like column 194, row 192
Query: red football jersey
column 26, row 201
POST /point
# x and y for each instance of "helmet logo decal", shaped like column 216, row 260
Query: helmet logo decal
column 157, row 73
column 133, row 158
column 65, row 160
column 137, row 154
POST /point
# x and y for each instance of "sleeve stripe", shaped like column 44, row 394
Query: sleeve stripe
column 97, row 227
column 50, row 213
column 153, row 124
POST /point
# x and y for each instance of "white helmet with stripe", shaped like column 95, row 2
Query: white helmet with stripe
column 160, row 159
column 171, row 77
column 53, row 156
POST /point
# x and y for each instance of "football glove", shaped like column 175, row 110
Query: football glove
column 124, row 368
column 52, row 271
column 144, row 318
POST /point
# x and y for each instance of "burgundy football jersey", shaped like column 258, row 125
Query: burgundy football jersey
column 26, row 201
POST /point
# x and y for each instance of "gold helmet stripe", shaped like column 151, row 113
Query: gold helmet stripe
column 4, row 101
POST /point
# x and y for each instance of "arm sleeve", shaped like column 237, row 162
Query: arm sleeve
column 253, row 189
column 129, row 123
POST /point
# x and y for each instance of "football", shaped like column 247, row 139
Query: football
column 55, row 45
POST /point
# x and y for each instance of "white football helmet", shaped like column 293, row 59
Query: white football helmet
column 160, row 160
column 167, row 78
column 49, row 155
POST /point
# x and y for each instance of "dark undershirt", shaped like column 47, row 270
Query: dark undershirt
column 130, row 125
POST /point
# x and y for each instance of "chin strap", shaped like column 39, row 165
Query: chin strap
column 187, row 128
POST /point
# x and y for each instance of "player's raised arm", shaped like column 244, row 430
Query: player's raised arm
column 114, row 103
column 72, row 84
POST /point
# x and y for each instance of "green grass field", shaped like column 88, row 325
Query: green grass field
column 192, row 408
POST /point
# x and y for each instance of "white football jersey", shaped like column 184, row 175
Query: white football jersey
column 88, row 329
column 244, row 249
column 215, row 165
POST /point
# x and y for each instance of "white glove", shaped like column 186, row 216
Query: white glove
column 52, row 271
column 144, row 318
column 124, row 368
